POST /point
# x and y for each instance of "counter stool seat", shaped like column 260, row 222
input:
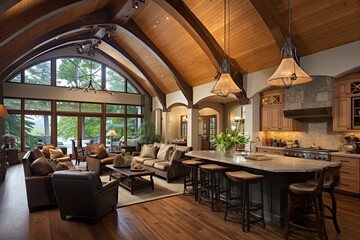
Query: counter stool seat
column 192, row 165
column 212, row 185
column 329, row 186
column 299, row 197
column 248, row 208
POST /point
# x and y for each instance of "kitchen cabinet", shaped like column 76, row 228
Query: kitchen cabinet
column 342, row 114
column 346, row 111
column 272, row 112
column 349, row 173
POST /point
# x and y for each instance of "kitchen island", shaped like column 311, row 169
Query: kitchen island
column 279, row 172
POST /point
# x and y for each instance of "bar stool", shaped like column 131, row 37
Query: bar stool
column 211, row 185
column 298, row 211
column 193, row 166
column 248, row 207
column 329, row 186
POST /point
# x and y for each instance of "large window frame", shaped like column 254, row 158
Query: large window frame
column 54, row 113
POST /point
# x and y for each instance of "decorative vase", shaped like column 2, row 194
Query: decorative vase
column 228, row 153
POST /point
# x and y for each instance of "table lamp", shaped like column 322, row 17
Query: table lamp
column 111, row 133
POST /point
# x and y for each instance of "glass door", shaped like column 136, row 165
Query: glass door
column 208, row 131
column 356, row 113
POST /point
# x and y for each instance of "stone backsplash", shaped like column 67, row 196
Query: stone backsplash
column 311, row 132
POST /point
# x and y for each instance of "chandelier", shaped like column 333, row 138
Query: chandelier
column 89, row 84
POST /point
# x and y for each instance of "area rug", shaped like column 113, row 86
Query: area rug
column 162, row 189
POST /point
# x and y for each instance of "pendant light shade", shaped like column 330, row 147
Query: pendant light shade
column 289, row 72
column 225, row 85
column 3, row 111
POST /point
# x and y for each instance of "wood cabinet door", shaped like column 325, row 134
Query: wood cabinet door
column 342, row 114
column 275, row 116
column 265, row 119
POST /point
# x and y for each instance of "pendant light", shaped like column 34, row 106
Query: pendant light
column 225, row 84
column 288, row 73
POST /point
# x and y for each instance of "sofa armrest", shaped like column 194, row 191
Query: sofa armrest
column 135, row 154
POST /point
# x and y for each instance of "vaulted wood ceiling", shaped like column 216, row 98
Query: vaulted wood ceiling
column 172, row 45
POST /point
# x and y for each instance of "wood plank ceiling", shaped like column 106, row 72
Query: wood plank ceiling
column 172, row 45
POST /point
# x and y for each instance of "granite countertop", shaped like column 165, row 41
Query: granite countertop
column 270, row 147
column 345, row 154
column 277, row 164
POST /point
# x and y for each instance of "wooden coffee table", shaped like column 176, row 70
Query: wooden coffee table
column 131, row 180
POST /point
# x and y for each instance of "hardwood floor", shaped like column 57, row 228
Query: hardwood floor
column 177, row 217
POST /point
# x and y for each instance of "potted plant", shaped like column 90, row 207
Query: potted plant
column 146, row 134
column 227, row 141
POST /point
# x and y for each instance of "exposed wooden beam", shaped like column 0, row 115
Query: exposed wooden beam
column 33, row 53
column 181, row 13
column 159, row 93
column 98, row 17
column 32, row 16
column 6, row 5
column 185, row 88
column 268, row 12
column 123, row 12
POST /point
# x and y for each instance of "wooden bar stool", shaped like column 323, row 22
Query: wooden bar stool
column 247, row 206
column 192, row 180
column 212, row 186
column 329, row 186
column 299, row 195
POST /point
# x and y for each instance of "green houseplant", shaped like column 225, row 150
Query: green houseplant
column 228, row 140
column 146, row 134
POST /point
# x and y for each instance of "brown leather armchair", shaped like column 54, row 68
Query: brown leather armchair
column 97, row 157
column 81, row 194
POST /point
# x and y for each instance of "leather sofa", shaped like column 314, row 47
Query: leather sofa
column 39, row 188
column 164, row 159
column 97, row 157
column 81, row 194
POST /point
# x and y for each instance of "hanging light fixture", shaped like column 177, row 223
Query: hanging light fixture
column 288, row 73
column 225, row 84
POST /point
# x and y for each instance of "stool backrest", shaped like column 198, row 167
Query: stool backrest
column 329, row 173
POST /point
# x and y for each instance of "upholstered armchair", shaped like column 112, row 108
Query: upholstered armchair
column 82, row 194
column 97, row 157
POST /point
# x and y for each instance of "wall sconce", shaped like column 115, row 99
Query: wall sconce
column 3, row 111
column 237, row 119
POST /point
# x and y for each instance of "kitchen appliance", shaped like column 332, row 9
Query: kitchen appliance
column 309, row 153
column 351, row 144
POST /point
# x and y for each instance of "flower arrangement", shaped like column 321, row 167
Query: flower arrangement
column 224, row 141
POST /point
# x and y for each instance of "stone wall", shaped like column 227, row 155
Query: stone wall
column 319, row 92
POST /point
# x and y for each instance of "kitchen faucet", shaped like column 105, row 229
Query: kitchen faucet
column 251, row 143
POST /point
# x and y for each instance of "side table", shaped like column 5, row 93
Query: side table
column 12, row 156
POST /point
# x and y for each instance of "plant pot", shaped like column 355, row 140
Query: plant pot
column 228, row 153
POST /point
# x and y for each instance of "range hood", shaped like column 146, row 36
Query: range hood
column 320, row 112
column 311, row 101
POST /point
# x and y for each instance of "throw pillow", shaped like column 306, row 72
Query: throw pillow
column 46, row 151
column 56, row 153
column 148, row 151
column 41, row 167
column 177, row 154
column 101, row 152
column 36, row 153
column 164, row 152
column 61, row 166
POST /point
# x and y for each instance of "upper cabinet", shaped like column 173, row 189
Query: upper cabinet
column 272, row 112
column 346, row 111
